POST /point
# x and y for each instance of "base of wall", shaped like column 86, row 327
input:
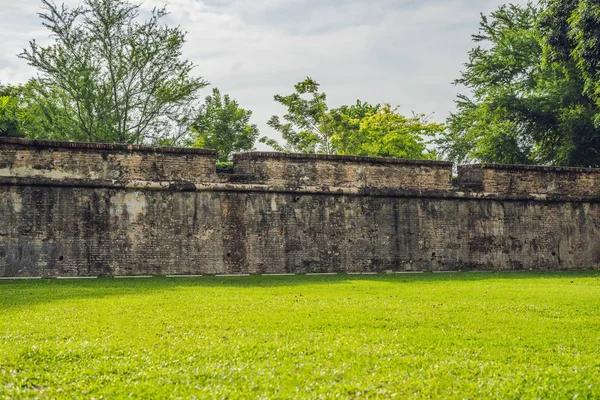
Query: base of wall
column 14, row 278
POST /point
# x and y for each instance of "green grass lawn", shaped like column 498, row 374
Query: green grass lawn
column 465, row 335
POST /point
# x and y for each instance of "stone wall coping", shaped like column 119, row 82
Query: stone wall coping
column 176, row 186
column 130, row 148
column 535, row 168
column 257, row 155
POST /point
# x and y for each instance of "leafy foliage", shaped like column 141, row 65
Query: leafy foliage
column 225, row 167
column 33, row 111
column 305, row 127
column 572, row 29
column 523, row 108
column 360, row 129
column 345, row 122
column 9, row 121
column 222, row 125
column 114, row 79
column 386, row 133
column 46, row 113
column 10, row 116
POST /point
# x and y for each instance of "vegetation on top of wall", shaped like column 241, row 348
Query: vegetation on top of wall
column 225, row 167
column 10, row 113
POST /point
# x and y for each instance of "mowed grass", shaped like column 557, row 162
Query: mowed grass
column 465, row 335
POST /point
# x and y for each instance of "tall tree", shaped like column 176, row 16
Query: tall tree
column 522, row 107
column 306, row 125
column 223, row 125
column 121, row 80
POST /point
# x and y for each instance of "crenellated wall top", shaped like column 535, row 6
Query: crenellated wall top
column 100, row 162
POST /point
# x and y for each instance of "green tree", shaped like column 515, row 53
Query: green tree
column 118, row 79
column 10, row 90
column 47, row 113
column 523, row 107
column 383, row 132
column 9, row 120
column 36, row 112
column 306, row 126
column 572, row 32
column 360, row 129
column 345, row 123
column 223, row 125
column 10, row 115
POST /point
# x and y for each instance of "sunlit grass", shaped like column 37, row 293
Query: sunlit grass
column 466, row 335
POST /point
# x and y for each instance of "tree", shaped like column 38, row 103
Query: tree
column 9, row 121
column 44, row 112
column 30, row 110
column 523, row 107
column 119, row 80
column 572, row 31
column 383, row 132
column 10, row 116
column 222, row 125
column 360, row 129
column 345, row 122
column 306, row 127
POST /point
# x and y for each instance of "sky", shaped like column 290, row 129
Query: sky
column 403, row 52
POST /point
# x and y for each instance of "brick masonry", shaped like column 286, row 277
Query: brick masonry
column 72, row 209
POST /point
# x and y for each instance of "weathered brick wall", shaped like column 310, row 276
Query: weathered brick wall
column 344, row 171
column 56, row 226
column 68, row 160
column 524, row 179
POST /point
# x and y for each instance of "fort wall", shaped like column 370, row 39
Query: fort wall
column 72, row 209
column 317, row 170
column 523, row 180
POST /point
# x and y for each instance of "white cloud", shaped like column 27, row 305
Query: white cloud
column 404, row 52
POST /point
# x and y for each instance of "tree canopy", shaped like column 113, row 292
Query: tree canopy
column 223, row 125
column 386, row 133
column 572, row 31
column 523, row 106
column 305, row 127
column 530, row 92
column 112, row 77
column 10, row 112
column 310, row 126
column 381, row 131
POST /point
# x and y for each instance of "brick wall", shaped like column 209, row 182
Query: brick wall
column 68, row 160
column 344, row 171
column 65, row 213
column 523, row 179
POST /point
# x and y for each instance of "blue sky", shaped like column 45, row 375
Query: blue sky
column 404, row 52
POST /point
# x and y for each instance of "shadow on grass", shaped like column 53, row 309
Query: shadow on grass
column 27, row 293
